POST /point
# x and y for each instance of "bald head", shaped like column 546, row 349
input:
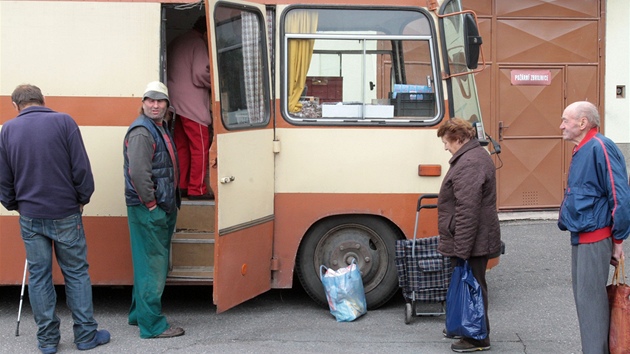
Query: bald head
column 585, row 109
column 577, row 120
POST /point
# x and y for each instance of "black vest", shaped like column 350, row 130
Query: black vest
column 163, row 173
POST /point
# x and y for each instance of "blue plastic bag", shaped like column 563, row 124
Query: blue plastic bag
column 344, row 292
column 465, row 315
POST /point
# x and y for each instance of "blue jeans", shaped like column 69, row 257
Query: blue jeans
column 68, row 238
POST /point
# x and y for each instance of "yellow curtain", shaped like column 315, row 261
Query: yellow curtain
column 300, row 53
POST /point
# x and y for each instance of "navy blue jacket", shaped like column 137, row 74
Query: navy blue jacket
column 596, row 202
column 45, row 171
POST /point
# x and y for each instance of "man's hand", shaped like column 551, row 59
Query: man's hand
column 617, row 254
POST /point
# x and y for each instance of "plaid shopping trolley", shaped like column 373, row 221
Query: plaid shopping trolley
column 423, row 273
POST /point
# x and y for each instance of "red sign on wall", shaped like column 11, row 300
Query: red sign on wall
column 531, row 77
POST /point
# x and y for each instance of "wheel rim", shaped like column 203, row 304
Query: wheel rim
column 344, row 243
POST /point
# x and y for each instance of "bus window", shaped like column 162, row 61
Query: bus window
column 242, row 68
column 359, row 66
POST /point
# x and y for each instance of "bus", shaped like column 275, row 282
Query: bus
column 324, row 129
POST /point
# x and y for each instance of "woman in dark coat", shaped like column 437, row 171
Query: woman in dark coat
column 468, row 223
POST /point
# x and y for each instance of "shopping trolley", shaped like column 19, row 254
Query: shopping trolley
column 423, row 273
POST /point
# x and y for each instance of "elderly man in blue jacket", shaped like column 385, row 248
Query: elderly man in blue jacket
column 596, row 210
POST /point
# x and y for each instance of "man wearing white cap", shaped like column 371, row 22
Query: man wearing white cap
column 152, row 197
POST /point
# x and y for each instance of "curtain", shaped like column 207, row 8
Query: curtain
column 300, row 53
column 253, row 67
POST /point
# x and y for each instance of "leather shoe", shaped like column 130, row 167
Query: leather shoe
column 172, row 332
column 450, row 336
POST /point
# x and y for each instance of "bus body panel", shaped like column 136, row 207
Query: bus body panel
column 398, row 209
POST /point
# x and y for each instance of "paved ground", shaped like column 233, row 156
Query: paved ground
column 531, row 311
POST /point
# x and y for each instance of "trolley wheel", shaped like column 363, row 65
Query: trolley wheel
column 408, row 312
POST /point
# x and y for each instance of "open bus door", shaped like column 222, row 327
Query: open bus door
column 242, row 153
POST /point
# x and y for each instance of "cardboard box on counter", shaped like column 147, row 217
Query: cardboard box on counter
column 355, row 110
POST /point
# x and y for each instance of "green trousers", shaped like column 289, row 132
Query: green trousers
column 151, row 233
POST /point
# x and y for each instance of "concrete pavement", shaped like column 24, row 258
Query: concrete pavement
column 531, row 311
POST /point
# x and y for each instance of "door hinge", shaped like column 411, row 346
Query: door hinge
column 276, row 146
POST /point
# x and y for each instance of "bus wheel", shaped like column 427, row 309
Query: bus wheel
column 336, row 242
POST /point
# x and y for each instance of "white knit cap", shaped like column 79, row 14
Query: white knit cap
column 156, row 90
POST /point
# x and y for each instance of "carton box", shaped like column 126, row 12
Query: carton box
column 355, row 111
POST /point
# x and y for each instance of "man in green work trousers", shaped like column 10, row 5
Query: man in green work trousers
column 152, row 197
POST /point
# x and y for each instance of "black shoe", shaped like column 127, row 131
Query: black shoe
column 462, row 346
column 446, row 335
column 207, row 196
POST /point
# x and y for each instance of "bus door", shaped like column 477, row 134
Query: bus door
column 243, row 158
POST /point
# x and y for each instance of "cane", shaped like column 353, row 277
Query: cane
column 17, row 329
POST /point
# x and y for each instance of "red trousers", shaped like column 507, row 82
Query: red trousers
column 193, row 142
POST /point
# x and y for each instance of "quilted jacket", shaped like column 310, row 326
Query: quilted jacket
column 468, row 223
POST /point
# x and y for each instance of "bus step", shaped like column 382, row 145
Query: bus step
column 196, row 215
column 191, row 274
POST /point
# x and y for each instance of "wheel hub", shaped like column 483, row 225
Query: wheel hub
column 340, row 246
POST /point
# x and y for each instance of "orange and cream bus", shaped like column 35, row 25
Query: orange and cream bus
column 324, row 118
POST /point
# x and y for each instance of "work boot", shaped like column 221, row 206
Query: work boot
column 465, row 346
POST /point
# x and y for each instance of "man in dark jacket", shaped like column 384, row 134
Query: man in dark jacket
column 596, row 210
column 45, row 175
column 152, row 198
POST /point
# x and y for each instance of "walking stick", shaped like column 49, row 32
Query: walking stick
column 17, row 329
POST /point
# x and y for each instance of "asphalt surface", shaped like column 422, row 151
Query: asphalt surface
column 531, row 311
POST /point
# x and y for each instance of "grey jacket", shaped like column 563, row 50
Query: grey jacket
column 468, row 223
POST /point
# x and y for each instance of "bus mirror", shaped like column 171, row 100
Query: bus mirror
column 472, row 41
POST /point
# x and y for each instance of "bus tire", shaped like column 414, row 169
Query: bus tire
column 336, row 241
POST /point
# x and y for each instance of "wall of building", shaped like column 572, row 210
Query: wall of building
column 617, row 109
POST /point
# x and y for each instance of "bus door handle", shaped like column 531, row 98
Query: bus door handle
column 229, row 179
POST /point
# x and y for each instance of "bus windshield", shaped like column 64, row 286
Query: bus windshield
column 463, row 93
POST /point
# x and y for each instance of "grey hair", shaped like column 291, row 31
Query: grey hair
column 588, row 110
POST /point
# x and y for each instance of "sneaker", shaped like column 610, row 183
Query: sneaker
column 101, row 337
column 462, row 346
column 172, row 332
column 446, row 335
column 47, row 350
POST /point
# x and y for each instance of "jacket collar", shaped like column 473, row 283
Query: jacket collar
column 591, row 133
column 471, row 144
column 32, row 109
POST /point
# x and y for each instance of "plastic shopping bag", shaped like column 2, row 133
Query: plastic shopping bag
column 465, row 314
column 344, row 291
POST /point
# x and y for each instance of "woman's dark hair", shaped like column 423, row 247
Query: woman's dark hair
column 456, row 129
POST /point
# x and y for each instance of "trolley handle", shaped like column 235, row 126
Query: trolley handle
column 426, row 206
